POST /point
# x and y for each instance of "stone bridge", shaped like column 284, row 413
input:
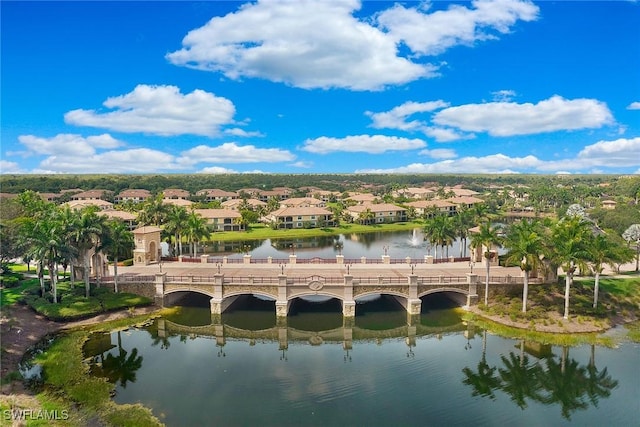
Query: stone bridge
column 283, row 289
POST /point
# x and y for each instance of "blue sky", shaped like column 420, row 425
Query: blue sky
column 489, row 86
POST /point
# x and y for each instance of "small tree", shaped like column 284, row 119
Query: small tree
column 632, row 234
column 487, row 237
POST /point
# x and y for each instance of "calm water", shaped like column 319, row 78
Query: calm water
column 247, row 370
column 397, row 244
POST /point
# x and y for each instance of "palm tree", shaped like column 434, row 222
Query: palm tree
column 196, row 229
column 570, row 238
column 366, row 216
column 153, row 211
column 601, row 251
column 461, row 224
column 439, row 230
column 117, row 242
column 524, row 243
column 175, row 224
column 487, row 237
column 86, row 233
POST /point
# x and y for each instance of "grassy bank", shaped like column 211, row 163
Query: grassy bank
column 88, row 398
column 261, row 231
column 619, row 302
column 72, row 303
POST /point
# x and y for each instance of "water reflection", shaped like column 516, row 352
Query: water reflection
column 427, row 367
column 119, row 367
column 550, row 380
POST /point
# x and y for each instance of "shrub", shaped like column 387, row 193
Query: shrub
column 127, row 262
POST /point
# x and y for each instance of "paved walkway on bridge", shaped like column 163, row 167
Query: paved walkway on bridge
column 449, row 269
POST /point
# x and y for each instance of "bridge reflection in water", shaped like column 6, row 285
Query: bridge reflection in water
column 288, row 330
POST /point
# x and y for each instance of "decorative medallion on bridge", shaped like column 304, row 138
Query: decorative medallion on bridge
column 315, row 285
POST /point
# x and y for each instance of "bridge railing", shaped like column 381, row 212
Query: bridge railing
column 427, row 280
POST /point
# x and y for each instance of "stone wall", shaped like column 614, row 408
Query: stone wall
column 143, row 289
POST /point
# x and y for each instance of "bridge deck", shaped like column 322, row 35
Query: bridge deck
column 325, row 270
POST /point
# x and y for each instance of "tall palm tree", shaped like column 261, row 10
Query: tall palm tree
column 601, row 251
column 175, row 224
column 570, row 237
column 524, row 243
column 153, row 211
column 86, row 233
column 196, row 229
column 116, row 242
column 440, row 231
column 366, row 216
column 487, row 237
column 462, row 222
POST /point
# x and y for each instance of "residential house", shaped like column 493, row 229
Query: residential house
column 79, row 204
column 133, row 195
column 382, row 213
column 362, row 198
column 214, row 194
column 92, row 195
column 303, row 202
column 609, row 204
column 431, row 207
column 235, row 204
column 177, row 202
column 222, row 219
column 464, row 201
column 176, row 194
column 300, row 217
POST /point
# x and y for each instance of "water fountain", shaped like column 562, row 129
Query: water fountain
column 415, row 239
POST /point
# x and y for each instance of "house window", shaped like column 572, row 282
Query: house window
column 299, row 218
column 313, row 217
column 299, row 224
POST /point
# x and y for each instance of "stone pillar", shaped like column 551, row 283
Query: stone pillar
column 428, row 259
column 386, row 259
column 282, row 303
column 293, row 259
column 269, row 260
column 246, row 259
column 216, row 302
column 363, row 259
column 340, row 259
column 204, row 259
column 348, row 303
column 159, row 284
column 408, row 260
column 414, row 304
column 472, row 298
column 180, row 258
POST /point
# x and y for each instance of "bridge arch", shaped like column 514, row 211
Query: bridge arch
column 459, row 296
column 197, row 291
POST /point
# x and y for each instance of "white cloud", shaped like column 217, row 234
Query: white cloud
column 621, row 152
column 230, row 152
column 68, row 144
column 439, row 153
column 302, row 164
column 503, row 95
column 7, row 167
column 373, row 144
column 320, row 44
column 433, row 33
column 307, row 44
column 396, row 118
column 509, row 118
column 140, row 160
column 634, row 106
column 242, row 133
column 159, row 110
column 595, row 158
column 495, row 163
column 213, row 170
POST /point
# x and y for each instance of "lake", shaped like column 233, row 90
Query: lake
column 383, row 369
